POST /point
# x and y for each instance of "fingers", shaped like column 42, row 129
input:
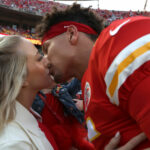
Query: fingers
column 112, row 145
column 113, row 142
column 76, row 100
column 133, row 142
column 79, row 104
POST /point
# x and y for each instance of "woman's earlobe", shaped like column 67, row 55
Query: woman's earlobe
column 25, row 84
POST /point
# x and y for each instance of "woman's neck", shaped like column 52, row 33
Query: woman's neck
column 26, row 97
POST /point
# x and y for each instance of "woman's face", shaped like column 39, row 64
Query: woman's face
column 37, row 67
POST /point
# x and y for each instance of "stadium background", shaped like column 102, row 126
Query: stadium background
column 21, row 16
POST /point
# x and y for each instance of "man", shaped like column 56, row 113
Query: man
column 115, row 73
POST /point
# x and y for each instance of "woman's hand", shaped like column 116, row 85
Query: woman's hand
column 79, row 104
column 113, row 144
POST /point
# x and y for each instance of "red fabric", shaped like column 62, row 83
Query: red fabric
column 48, row 135
column 139, row 105
column 62, row 27
column 105, row 117
column 67, row 131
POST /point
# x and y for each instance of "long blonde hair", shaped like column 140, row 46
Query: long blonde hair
column 12, row 73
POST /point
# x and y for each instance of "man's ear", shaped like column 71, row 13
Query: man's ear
column 72, row 33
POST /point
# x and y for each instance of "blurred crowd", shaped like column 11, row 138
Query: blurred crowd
column 41, row 7
column 14, row 30
column 36, row 6
column 112, row 15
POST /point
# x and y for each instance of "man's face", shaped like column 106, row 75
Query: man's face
column 59, row 52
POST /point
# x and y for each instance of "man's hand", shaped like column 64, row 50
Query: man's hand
column 112, row 145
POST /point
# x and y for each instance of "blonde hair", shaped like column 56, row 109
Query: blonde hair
column 12, row 73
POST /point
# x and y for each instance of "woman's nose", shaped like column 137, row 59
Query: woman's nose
column 46, row 62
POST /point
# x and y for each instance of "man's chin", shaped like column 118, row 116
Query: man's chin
column 59, row 79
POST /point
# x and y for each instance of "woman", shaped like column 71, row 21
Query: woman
column 23, row 72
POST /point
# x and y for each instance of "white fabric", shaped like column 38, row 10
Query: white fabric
column 23, row 133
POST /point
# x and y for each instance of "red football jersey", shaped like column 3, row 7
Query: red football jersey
column 117, row 81
column 66, row 130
